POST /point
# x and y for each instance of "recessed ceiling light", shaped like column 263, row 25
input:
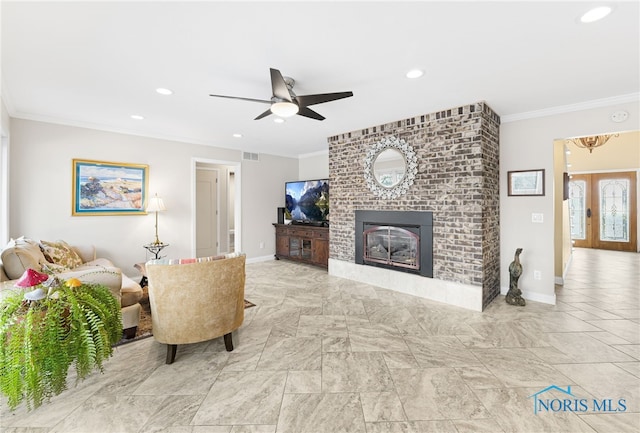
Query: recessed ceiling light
column 278, row 120
column 163, row 91
column 137, row 117
column 595, row 14
column 415, row 73
column 237, row 135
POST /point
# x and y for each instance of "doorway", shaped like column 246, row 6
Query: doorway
column 207, row 224
column 216, row 207
column 603, row 211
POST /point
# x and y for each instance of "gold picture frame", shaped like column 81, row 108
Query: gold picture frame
column 109, row 188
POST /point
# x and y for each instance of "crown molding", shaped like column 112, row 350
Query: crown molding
column 562, row 109
column 5, row 96
column 125, row 131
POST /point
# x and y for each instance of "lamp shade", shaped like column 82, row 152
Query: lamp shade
column 155, row 204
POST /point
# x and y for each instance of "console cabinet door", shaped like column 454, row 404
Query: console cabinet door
column 294, row 247
column 321, row 251
column 306, row 251
column 282, row 245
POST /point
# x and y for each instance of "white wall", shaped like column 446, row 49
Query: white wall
column 313, row 166
column 4, row 117
column 528, row 144
column 262, row 187
column 40, row 188
column 5, row 126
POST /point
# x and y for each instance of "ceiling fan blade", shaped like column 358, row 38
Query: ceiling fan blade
column 308, row 112
column 265, row 114
column 242, row 99
column 279, row 86
column 306, row 100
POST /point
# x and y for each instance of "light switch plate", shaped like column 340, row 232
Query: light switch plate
column 537, row 218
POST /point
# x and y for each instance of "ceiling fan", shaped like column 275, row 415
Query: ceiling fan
column 286, row 103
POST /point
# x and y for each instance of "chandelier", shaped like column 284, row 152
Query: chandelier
column 591, row 142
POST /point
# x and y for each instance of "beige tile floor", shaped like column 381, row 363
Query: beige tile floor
column 321, row 354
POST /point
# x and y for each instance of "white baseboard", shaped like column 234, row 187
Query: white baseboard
column 261, row 259
column 534, row 296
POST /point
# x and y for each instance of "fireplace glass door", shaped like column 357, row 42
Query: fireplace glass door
column 392, row 246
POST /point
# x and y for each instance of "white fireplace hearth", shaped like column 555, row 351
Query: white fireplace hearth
column 448, row 292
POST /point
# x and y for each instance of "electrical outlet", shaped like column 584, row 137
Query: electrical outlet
column 537, row 275
column 261, row 244
column 537, row 218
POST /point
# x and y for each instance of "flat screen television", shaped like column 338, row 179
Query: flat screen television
column 307, row 202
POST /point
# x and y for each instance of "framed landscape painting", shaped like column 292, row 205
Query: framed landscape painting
column 525, row 182
column 109, row 188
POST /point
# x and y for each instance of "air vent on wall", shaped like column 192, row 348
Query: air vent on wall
column 249, row 156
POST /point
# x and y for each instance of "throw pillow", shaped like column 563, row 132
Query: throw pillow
column 61, row 253
column 19, row 255
column 53, row 269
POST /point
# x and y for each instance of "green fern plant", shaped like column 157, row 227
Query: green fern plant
column 40, row 340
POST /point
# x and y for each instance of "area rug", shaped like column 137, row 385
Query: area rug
column 144, row 327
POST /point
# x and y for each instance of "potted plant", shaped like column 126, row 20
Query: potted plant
column 46, row 326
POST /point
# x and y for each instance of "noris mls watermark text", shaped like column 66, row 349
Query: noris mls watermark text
column 570, row 403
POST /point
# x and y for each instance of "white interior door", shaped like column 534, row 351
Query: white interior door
column 206, row 212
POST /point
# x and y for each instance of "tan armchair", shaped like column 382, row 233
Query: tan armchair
column 196, row 300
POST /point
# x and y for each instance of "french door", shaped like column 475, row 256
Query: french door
column 603, row 211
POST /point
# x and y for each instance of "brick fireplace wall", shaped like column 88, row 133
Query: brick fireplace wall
column 458, row 180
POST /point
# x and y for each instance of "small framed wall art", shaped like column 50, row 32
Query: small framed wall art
column 109, row 188
column 525, row 182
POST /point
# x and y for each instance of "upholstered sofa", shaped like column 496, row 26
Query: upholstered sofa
column 23, row 253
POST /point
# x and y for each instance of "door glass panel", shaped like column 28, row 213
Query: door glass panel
column 614, row 210
column 577, row 214
column 294, row 247
column 306, row 248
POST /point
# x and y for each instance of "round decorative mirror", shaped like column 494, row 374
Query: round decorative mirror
column 390, row 167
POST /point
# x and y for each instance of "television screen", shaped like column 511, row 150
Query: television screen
column 307, row 201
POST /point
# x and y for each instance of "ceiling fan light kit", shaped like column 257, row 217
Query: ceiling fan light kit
column 285, row 103
column 284, row 109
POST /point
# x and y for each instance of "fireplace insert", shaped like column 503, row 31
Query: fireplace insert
column 390, row 245
column 399, row 240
